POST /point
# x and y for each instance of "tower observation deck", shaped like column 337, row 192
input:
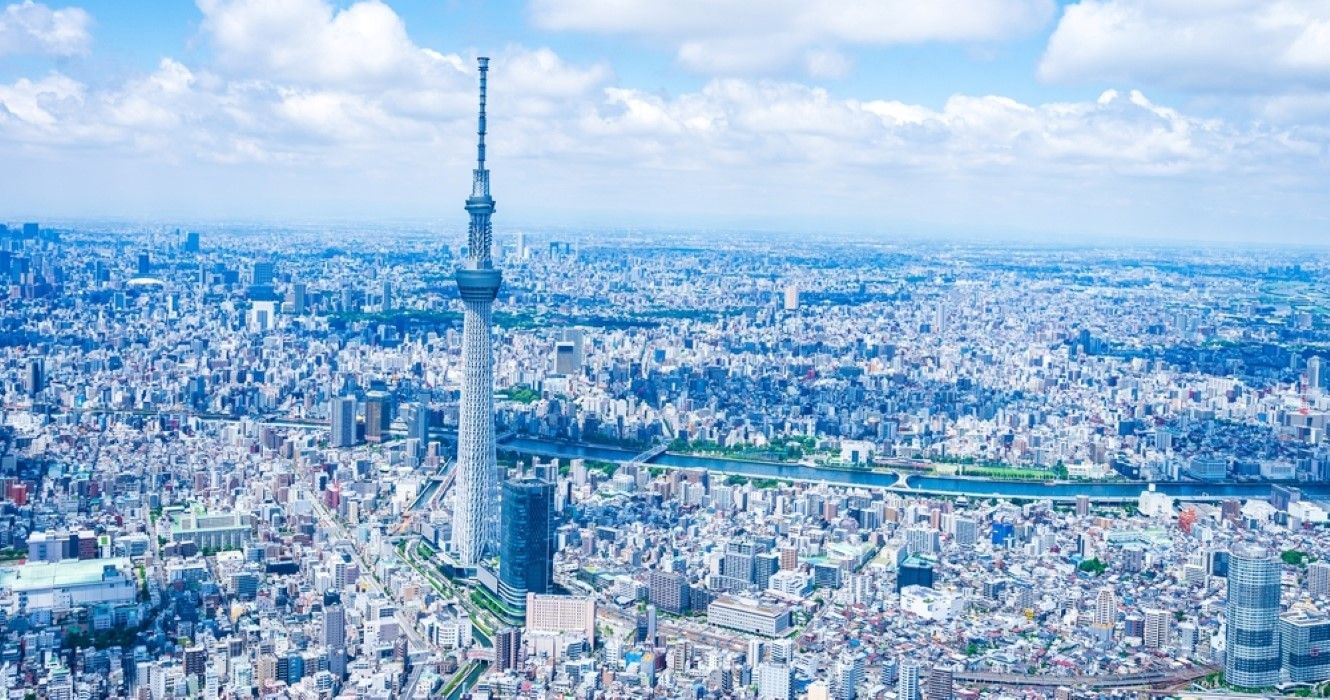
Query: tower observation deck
column 475, row 520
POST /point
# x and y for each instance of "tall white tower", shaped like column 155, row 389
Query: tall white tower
column 475, row 521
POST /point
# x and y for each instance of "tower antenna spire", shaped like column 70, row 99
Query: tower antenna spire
column 480, row 130
column 476, row 516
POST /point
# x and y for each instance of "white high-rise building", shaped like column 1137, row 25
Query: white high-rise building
column 775, row 681
column 791, row 297
column 1318, row 579
column 847, row 676
column 1157, row 628
column 1105, row 608
column 476, row 516
column 907, row 681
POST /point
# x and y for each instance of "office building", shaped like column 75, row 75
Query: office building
column 297, row 296
column 914, row 571
column 378, row 415
column 1252, row 658
column 417, row 422
column 775, row 681
column 1208, row 468
column 526, row 557
column 765, row 565
column 475, row 523
column 342, row 422
column 1304, row 647
column 262, row 274
column 1283, row 497
column 565, row 358
column 191, row 244
column 747, row 615
column 34, row 376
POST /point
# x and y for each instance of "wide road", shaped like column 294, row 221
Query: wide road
column 1125, row 680
column 333, row 525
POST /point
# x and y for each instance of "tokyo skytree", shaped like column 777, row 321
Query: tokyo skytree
column 475, row 520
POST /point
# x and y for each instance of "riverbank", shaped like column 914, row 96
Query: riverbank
column 923, row 484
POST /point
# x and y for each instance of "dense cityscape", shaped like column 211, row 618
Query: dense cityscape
column 728, row 471
column 374, row 462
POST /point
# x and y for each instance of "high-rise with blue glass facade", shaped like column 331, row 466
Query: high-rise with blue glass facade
column 526, row 551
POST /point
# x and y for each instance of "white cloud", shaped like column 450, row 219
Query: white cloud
column 311, row 42
column 826, row 63
column 759, row 124
column 744, row 130
column 274, row 115
column 30, row 27
column 35, row 103
column 1259, row 46
column 743, row 37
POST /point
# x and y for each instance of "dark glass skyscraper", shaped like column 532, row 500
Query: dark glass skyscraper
column 526, row 552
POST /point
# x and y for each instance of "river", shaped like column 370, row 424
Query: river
column 1110, row 491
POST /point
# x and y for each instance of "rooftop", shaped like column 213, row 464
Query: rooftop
column 37, row 575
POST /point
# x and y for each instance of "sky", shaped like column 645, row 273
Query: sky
column 1132, row 120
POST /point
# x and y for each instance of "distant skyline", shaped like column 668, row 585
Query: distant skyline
column 1139, row 119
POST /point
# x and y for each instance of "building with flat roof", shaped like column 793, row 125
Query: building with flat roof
column 211, row 530
column 928, row 603
column 1304, row 647
column 561, row 614
column 668, row 590
column 748, row 615
column 914, row 570
column 775, row 681
column 526, row 547
column 68, row 584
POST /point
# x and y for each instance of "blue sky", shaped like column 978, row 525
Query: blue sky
column 1117, row 119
